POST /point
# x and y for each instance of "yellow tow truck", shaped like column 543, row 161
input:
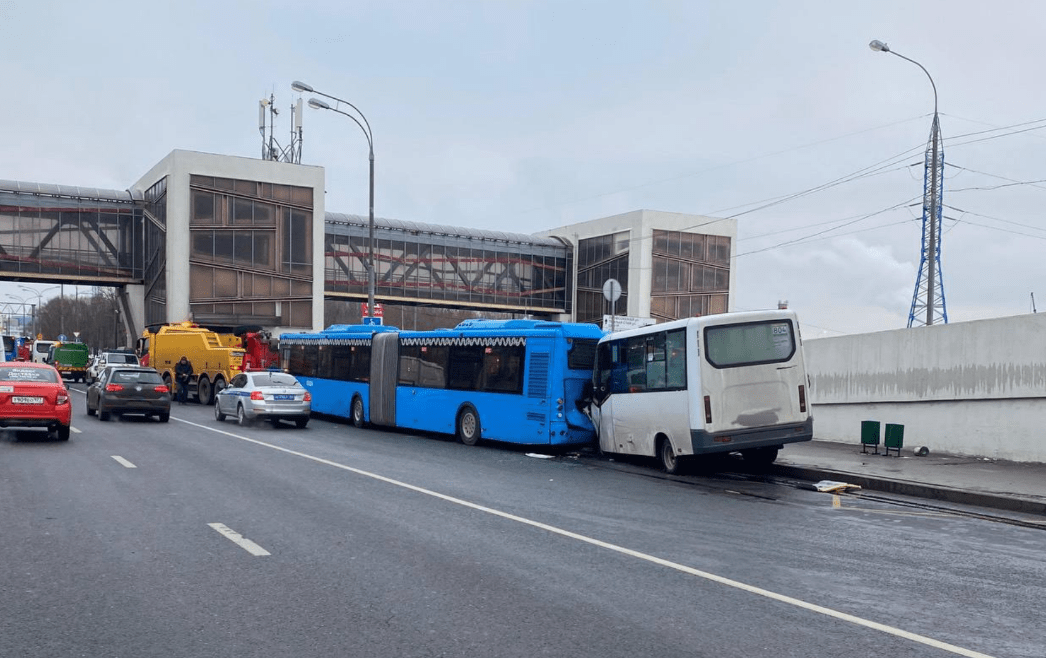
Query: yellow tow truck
column 214, row 361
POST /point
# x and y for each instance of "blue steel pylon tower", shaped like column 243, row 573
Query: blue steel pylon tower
column 928, row 300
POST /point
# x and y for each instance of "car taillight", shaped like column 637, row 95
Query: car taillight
column 161, row 389
column 802, row 399
column 112, row 388
column 708, row 409
column 308, row 396
column 257, row 395
column 61, row 399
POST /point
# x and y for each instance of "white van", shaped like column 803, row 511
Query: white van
column 713, row 384
column 41, row 349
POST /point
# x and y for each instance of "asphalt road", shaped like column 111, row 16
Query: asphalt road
column 335, row 541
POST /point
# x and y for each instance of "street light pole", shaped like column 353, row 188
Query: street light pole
column 39, row 298
column 934, row 181
column 317, row 104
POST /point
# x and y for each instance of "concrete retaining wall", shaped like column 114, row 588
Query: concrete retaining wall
column 970, row 388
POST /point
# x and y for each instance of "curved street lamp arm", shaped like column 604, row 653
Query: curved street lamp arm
column 894, row 52
column 370, row 140
column 370, row 133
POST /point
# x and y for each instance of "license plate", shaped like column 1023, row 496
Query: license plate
column 283, row 397
column 24, row 399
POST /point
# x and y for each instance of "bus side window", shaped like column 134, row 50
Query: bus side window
column 636, row 354
column 675, row 344
column 655, row 362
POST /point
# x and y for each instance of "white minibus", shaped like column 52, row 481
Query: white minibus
column 714, row 384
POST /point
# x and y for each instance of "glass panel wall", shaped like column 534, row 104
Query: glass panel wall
column 600, row 259
column 156, row 253
column 251, row 252
column 691, row 275
column 62, row 235
column 453, row 270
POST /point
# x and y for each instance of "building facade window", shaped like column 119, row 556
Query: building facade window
column 156, row 253
column 600, row 259
column 250, row 252
column 691, row 275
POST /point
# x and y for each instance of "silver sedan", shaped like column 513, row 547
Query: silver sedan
column 264, row 394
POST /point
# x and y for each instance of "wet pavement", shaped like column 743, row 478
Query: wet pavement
column 983, row 482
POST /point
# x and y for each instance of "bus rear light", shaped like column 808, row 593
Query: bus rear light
column 802, row 399
column 708, row 409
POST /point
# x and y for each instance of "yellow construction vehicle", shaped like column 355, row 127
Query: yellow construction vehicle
column 214, row 362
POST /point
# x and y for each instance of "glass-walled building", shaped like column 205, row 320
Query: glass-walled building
column 669, row 265
column 239, row 242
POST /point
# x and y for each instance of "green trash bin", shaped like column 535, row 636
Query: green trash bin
column 869, row 435
column 894, row 439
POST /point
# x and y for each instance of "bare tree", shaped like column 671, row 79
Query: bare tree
column 93, row 317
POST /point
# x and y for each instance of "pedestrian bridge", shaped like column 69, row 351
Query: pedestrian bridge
column 85, row 236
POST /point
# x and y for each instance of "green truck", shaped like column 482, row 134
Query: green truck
column 70, row 359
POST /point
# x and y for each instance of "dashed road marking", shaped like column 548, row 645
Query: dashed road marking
column 124, row 462
column 239, row 540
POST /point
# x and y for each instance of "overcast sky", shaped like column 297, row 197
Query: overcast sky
column 526, row 115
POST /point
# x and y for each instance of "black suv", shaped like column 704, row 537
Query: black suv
column 129, row 390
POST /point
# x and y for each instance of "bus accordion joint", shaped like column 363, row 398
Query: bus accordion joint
column 802, row 399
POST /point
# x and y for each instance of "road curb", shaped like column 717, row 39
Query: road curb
column 916, row 489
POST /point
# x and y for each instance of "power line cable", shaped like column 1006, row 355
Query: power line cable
column 720, row 166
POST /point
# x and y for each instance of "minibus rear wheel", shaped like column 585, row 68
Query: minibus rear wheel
column 670, row 462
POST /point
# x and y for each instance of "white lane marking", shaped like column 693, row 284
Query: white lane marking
column 799, row 603
column 74, row 430
column 123, row 461
column 239, row 540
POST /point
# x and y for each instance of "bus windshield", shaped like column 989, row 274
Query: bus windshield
column 730, row 346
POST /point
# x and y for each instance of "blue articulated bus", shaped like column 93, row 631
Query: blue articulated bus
column 515, row 381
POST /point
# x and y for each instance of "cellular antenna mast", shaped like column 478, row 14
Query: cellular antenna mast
column 271, row 149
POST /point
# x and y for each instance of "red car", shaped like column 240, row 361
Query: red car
column 32, row 395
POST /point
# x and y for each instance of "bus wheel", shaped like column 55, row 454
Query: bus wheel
column 760, row 456
column 204, row 391
column 357, row 412
column 468, row 426
column 669, row 461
